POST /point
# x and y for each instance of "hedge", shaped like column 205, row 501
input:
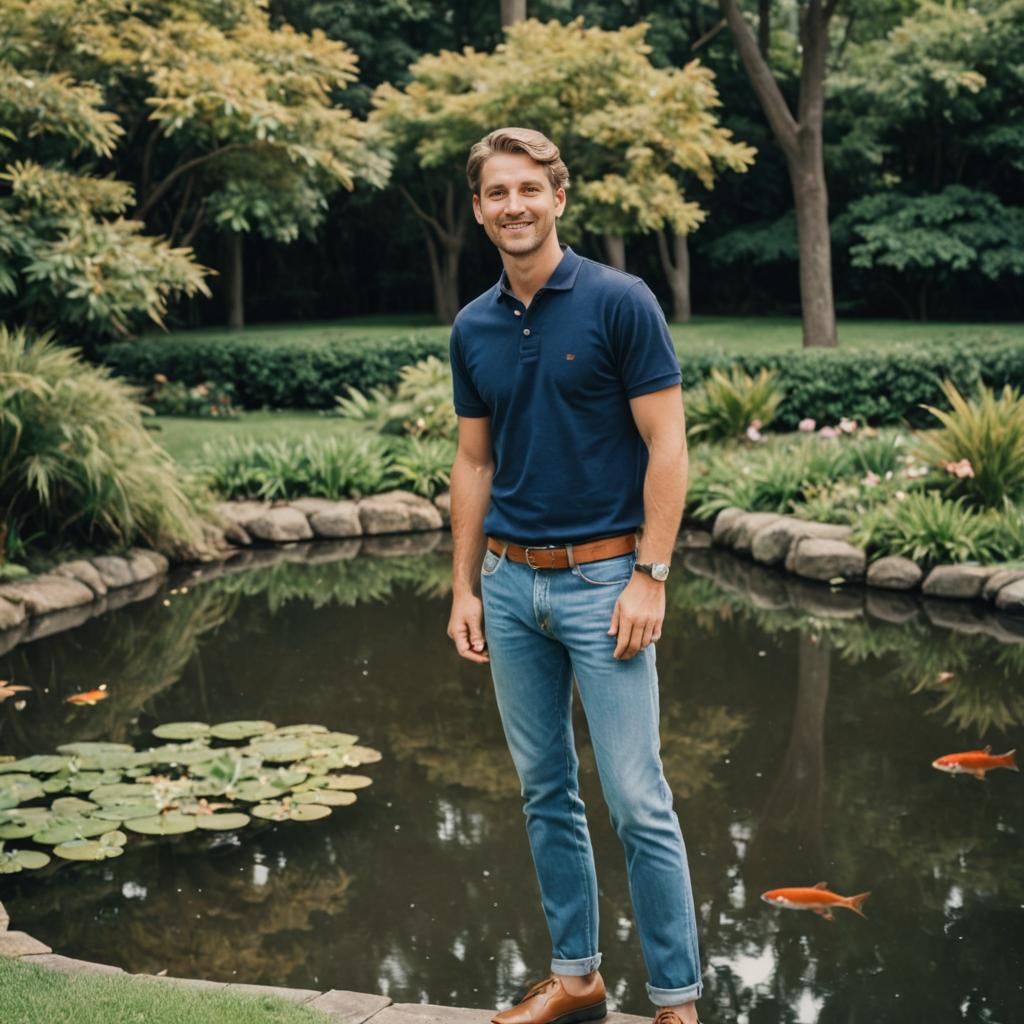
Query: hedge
column 286, row 375
column 876, row 386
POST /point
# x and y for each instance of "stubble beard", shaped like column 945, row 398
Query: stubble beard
column 519, row 248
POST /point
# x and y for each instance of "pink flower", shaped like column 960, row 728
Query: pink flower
column 753, row 434
column 807, row 425
column 159, row 378
column 871, row 479
column 828, row 432
column 201, row 390
column 848, row 426
column 960, row 469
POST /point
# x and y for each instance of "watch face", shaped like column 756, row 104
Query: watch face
column 659, row 571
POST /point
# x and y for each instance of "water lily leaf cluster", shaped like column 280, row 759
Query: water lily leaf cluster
column 82, row 802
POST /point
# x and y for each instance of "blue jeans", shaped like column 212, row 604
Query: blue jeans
column 543, row 628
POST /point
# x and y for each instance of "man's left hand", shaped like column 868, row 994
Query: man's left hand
column 638, row 616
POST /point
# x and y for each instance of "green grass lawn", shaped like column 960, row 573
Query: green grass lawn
column 33, row 995
column 705, row 333
column 184, row 436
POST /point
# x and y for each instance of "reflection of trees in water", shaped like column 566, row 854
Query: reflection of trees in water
column 138, row 652
column 695, row 739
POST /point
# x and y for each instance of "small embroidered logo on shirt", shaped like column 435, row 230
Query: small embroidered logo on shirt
column 570, row 355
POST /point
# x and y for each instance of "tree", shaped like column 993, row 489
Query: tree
column 627, row 130
column 801, row 139
column 69, row 257
column 231, row 122
column 512, row 12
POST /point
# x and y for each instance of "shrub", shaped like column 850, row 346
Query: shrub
column 421, row 405
column 424, row 464
column 77, row 466
column 172, row 398
column 320, row 467
column 926, row 527
column 980, row 449
column 726, row 405
column 286, row 374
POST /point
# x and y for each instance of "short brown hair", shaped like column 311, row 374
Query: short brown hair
column 534, row 144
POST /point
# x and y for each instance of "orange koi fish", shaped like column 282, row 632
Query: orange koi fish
column 90, row 697
column 816, row 898
column 976, row 762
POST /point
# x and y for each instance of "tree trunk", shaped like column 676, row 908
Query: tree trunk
column 815, row 243
column 615, row 251
column 800, row 140
column 512, row 11
column 235, row 281
column 764, row 26
column 677, row 272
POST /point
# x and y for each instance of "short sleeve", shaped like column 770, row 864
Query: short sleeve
column 643, row 346
column 467, row 399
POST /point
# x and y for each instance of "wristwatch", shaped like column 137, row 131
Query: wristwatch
column 656, row 570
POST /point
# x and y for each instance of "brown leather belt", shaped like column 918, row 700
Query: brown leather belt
column 558, row 557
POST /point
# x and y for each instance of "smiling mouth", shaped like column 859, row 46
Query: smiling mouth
column 517, row 225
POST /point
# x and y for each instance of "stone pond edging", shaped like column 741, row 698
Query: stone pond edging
column 28, row 605
column 822, row 552
column 337, row 1005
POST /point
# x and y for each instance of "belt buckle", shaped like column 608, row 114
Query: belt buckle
column 529, row 557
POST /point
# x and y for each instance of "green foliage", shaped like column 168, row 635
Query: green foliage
column 319, row 467
column 420, row 406
column 424, row 464
column 172, row 398
column 927, row 528
column 76, row 463
column 727, row 404
column 981, row 445
column 285, row 374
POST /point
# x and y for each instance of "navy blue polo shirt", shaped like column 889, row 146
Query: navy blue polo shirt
column 556, row 379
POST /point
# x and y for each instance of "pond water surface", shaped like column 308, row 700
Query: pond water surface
column 798, row 737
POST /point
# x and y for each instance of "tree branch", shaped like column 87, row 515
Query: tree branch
column 189, row 182
column 709, row 35
column 190, row 165
column 196, row 224
column 427, row 219
column 147, row 161
column 667, row 266
column 761, row 78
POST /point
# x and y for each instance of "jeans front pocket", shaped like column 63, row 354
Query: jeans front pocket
column 608, row 571
column 492, row 563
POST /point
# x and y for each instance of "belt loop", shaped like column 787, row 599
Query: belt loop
column 569, row 555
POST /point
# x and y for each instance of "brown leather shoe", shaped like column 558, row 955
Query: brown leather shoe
column 547, row 1002
column 667, row 1016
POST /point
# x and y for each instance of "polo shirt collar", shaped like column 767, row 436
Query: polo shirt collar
column 562, row 278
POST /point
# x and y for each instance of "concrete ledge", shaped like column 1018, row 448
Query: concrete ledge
column 55, row 962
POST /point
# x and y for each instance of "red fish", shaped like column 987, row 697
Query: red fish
column 90, row 697
column 976, row 762
column 816, row 898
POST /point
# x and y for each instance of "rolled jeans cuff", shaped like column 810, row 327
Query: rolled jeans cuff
column 577, row 968
column 675, row 996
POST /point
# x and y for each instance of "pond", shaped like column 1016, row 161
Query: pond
column 799, row 731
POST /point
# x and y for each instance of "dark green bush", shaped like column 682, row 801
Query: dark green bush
column 285, row 375
column 877, row 386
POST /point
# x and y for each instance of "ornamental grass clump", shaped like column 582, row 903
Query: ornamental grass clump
column 77, row 466
column 732, row 405
column 926, row 527
column 980, row 449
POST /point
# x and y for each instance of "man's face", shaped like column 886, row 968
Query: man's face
column 517, row 205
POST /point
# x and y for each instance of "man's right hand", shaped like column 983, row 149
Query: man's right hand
column 466, row 628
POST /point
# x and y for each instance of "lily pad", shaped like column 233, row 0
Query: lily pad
column 349, row 781
column 241, row 730
column 63, row 829
column 328, row 797
column 363, row 755
column 122, row 792
column 55, row 784
column 222, row 822
column 308, row 812
column 252, row 790
column 112, row 760
column 22, row 823
column 182, row 730
column 37, row 764
column 110, row 845
column 86, row 782
column 72, row 805
column 272, row 810
column 125, row 811
column 302, row 730
column 19, row 789
column 335, row 739
column 171, row 824
column 93, row 748
column 280, row 751
column 13, row 861
column 313, row 782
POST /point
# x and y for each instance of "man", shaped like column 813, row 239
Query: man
column 571, row 437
